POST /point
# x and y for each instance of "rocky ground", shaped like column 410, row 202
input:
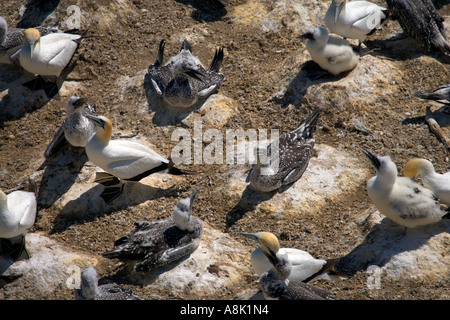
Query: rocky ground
column 270, row 83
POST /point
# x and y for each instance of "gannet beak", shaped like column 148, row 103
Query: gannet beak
column 307, row 35
column 337, row 12
column 32, row 46
column 195, row 74
column 373, row 158
column 97, row 120
column 252, row 236
column 193, row 196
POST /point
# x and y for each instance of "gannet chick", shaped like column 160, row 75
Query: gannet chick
column 91, row 290
column 421, row 21
column 183, row 80
column 11, row 41
column 275, row 283
column 436, row 182
column 440, row 94
column 304, row 266
column 399, row 198
column 161, row 243
column 17, row 215
column 354, row 19
column 331, row 54
column 76, row 128
column 286, row 166
column 48, row 55
column 122, row 160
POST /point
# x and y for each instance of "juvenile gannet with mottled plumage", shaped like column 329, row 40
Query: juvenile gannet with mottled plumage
column 436, row 182
column 76, row 128
column 289, row 162
column 440, row 94
column 422, row 22
column 399, row 198
column 47, row 55
column 122, row 160
column 331, row 54
column 91, row 290
column 17, row 215
column 276, row 285
column 183, row 80
column 354, row 19
column 304, row 266
column 11, row 41
column 161, row 243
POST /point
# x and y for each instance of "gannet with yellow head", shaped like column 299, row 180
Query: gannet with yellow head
column 304, row 266
column 122, row 160
column 436, row 182
column 399, row 198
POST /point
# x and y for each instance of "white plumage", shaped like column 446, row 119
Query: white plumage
column 354, row 19
column 399, row 198
column 436, row 182
column 331, row 54
column 17, row 213
column 47, row 55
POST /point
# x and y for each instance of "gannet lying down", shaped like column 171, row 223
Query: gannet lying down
column 17, row 215
column 122, row 160
column 183, row 80
column 399, row 198
column 91, row 290
column 436, row 182
column 304, row 266
column 161, row 243
column 354, row 19
column 331, row 54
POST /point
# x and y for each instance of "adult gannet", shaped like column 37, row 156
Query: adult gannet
column 91, row 290
column 183, row 80
column 47, row 56
column 11, row 41
column 422, row 22
column 440, row 94
column 122, row 160
column 76, row 128
column 331, row 54
column 17, row 215
column 399, row 198
column 354, row 19
column 288, row 159
column 161, row 243
column 276, row 285
column 304, row 266
column 436, row 182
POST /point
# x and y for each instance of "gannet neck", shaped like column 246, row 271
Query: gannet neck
column 103, row 129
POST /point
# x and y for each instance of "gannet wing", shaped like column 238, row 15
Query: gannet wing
column 56, row 143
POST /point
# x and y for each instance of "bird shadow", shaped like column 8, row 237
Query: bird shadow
column 441, row 115
column 90, row 205
column 165, row 115
column 36, row 12
column 206, row 10
column 310, row 74
column 386, row 240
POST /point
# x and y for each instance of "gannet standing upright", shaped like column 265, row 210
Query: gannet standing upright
column 331, row 54
column 399, row 198
column 17, row 215
column 440, row 94
column 11, row 41
column 76, row 128
column 422, row 22
column 304, row 266
column 275, row 283
column 436, row 182
column 91, row 290
column 122, row 160
column 286, row 166
column 354, row 19
column 161, row 243
column 183, row 80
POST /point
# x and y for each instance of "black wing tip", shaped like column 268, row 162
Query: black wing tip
column 217, row 60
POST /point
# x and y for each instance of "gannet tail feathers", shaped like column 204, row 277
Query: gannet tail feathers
column 217, row 60
column 327, row 272
column 160, row 59
column 308, row 126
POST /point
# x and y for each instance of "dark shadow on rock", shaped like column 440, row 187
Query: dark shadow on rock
column 90, row 205
column 440, row 3
column 60, row 173
column 386, row 240
column 163, row 114
column 36, row 12
column 207, row 10
column 441, row 115
column 310, row 74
